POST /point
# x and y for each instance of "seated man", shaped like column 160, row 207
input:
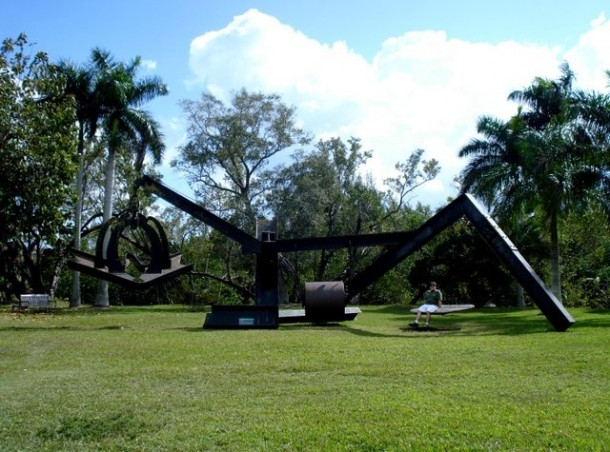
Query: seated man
column 433, row 300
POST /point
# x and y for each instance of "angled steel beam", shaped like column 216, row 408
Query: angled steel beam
column 504, row 249
column 248, row 243
column 266, row 256
column 393, row 256
column 342, row 241
column 492, row 235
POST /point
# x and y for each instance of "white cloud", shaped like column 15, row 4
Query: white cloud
column 590, row 57
column 175, row 136
column 421, row 90
column 149, row 65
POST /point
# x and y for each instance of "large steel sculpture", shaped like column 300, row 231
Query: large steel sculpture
column 324, row 301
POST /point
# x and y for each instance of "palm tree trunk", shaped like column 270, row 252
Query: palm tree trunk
column 75, row 299
column 555, row 269
column 102, row 300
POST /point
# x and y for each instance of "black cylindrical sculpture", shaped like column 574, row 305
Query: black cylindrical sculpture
column 324, row 301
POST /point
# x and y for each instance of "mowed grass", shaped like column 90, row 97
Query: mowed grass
column 152, row 379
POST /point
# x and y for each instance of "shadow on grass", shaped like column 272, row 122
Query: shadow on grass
column 117, row 310
column 593, row 319
column 431, row 329
column 39, row 328
column 481, row 322
column 64, row 328
column 343, row 327
column 475, row 322
column 398, row 309
column 505, row 325
column 112, row 310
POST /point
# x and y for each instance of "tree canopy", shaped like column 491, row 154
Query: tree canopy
column 37, row 163
column 543, row 173
column 541, row 160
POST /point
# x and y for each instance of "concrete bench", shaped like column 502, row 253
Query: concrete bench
column 35, row 301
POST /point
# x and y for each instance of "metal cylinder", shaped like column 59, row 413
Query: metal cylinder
column 325, row 300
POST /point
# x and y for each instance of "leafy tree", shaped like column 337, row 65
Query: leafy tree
column 228, row 148
column 585, row 241
column 411, row 174
column 227, row 151
column 321, row 194
column 324, row 193
column 37, row 163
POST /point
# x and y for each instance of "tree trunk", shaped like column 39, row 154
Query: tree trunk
column 102, row 300
column 520, row 297
column 75, row 298
column 555, row 269
column 57, row 273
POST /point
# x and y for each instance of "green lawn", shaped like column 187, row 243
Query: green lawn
column 153, row 379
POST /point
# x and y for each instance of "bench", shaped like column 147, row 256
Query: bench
column 449, row 308
column 29, row 301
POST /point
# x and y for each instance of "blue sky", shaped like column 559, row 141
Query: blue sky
column 400, row 75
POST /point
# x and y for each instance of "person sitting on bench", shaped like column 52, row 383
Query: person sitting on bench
column 433, row 300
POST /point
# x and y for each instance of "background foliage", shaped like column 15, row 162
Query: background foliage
column 247, row 161
column 38, row 167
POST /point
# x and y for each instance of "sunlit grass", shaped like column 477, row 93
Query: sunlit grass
column 153, row 379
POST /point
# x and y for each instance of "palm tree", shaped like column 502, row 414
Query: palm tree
column 554, row 161
column 533, row 160
column 592, row 136
column 549, row 101
column 495, row 170
column 124, row 124
column 80, row 84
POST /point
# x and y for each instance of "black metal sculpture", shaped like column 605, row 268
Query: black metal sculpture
column 266, row 314
column 107, row 263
